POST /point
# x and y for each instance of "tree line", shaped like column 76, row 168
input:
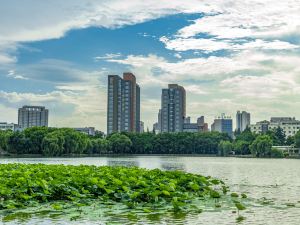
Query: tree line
column 259, row 145
column 66, row 141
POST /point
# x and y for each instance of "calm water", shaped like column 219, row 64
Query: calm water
column 277, row 180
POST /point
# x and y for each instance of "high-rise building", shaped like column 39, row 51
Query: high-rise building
column 222, row 124
column 123, row 104
column 202, row 125
column 157, row 125
column 33, row 116
column 242, row 120
column 173, row 108
column 200, row 121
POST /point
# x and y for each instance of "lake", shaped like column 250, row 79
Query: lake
column 272, row 184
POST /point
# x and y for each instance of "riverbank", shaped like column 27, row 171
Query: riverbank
column 8, row 155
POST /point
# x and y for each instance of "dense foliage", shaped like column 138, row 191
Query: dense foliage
column 24, row 185
column 66, row 141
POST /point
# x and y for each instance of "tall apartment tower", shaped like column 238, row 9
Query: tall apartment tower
column 173, row 108
column 123, row 104
column 33, row 116
column 242, row 120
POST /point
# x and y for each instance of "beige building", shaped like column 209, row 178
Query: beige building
column 289, row 125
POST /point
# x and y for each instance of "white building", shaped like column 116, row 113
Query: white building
column 242, row 120
column 7, row 126
column 289, row 125
column 86, row 130
column 142, row 127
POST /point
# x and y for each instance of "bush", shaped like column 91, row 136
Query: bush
column 276, row 153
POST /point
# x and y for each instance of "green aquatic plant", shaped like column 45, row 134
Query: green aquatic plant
column 89, row 191
column 239, row 207
column 24, row 185
column 234, row 195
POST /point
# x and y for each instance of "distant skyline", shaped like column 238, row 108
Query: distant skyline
column 228, row 55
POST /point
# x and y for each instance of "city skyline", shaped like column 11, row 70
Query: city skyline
column 243, row 57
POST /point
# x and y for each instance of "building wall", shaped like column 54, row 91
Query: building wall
column 123, row 104
column 290, row 127
column 191, row 127
column 7, row 126
column 223, row 125
column 173, row 112
column 114, row 103
column 227, row 126
column 32, row 116
column 138, row 110
column 86, row 130
column 242, row 120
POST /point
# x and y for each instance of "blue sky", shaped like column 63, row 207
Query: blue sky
column 229, row 56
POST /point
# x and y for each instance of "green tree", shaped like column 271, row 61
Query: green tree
column 297, row 139
column 241, row 147
column 246, row 135
column 262, row 146
column 276, row 153
column 290, row 140
column 53, row 144
column 225, row 148
column 120, row 143
column 4, row 137
column 35, row 136
column 18, row 143
column 98, row 146
column 279, row 137
column 75, row 142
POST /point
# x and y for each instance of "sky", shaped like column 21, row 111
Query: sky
column 228, row 54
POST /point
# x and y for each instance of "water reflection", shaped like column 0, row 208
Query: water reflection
column 112, row 162
column 172, row 166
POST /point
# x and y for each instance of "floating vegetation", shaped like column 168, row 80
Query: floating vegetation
column 61, row 188
column 289, row 204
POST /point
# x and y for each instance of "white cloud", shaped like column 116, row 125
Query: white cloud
column 223, row 84
column 108, row 56
column 7, row 59
column 12, row 74
column 271, row 86
column 177, row 55
column 32, row 20
column 240, row 19
column 67, row 107
column 225, row 21
column 214, row 84
column 210, row 45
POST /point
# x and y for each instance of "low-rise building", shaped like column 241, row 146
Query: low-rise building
column 289, row 125
column 8, row 126
column 191, row 127
column 200, row 126
column 222, row 124
column 86, row 130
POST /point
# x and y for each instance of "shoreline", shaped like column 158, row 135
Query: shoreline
column 3, row 156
